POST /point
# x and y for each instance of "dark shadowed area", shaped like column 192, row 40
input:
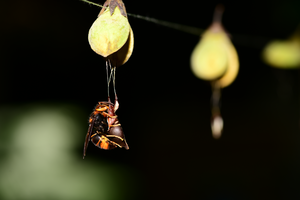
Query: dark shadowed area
column 49, row 76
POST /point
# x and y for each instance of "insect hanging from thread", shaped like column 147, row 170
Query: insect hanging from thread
column 111, row 37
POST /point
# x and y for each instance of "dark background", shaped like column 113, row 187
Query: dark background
column 164, row 108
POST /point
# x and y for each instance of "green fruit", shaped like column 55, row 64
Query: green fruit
column 283, row 54
column 214, row 57
column 209, row 59
column 109, row 32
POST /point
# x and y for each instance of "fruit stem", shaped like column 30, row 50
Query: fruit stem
column 218, row 14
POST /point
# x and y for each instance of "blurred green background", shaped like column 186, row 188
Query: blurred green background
column 50, row 81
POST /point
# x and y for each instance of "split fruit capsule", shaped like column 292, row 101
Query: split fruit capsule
column 111, row 35
column 215, row 58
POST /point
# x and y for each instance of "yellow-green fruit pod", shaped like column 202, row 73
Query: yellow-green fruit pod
column 109, row 32
column 232, row 68
column 209, row 59
column 282, row 54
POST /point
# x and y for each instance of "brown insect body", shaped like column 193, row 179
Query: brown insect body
column 104, row 130
column 115, row 127
column 102, row 142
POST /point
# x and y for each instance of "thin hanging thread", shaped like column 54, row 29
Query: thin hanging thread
column 180, row 27
column 112, row 76
column 92, row 3
column 107, row 78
